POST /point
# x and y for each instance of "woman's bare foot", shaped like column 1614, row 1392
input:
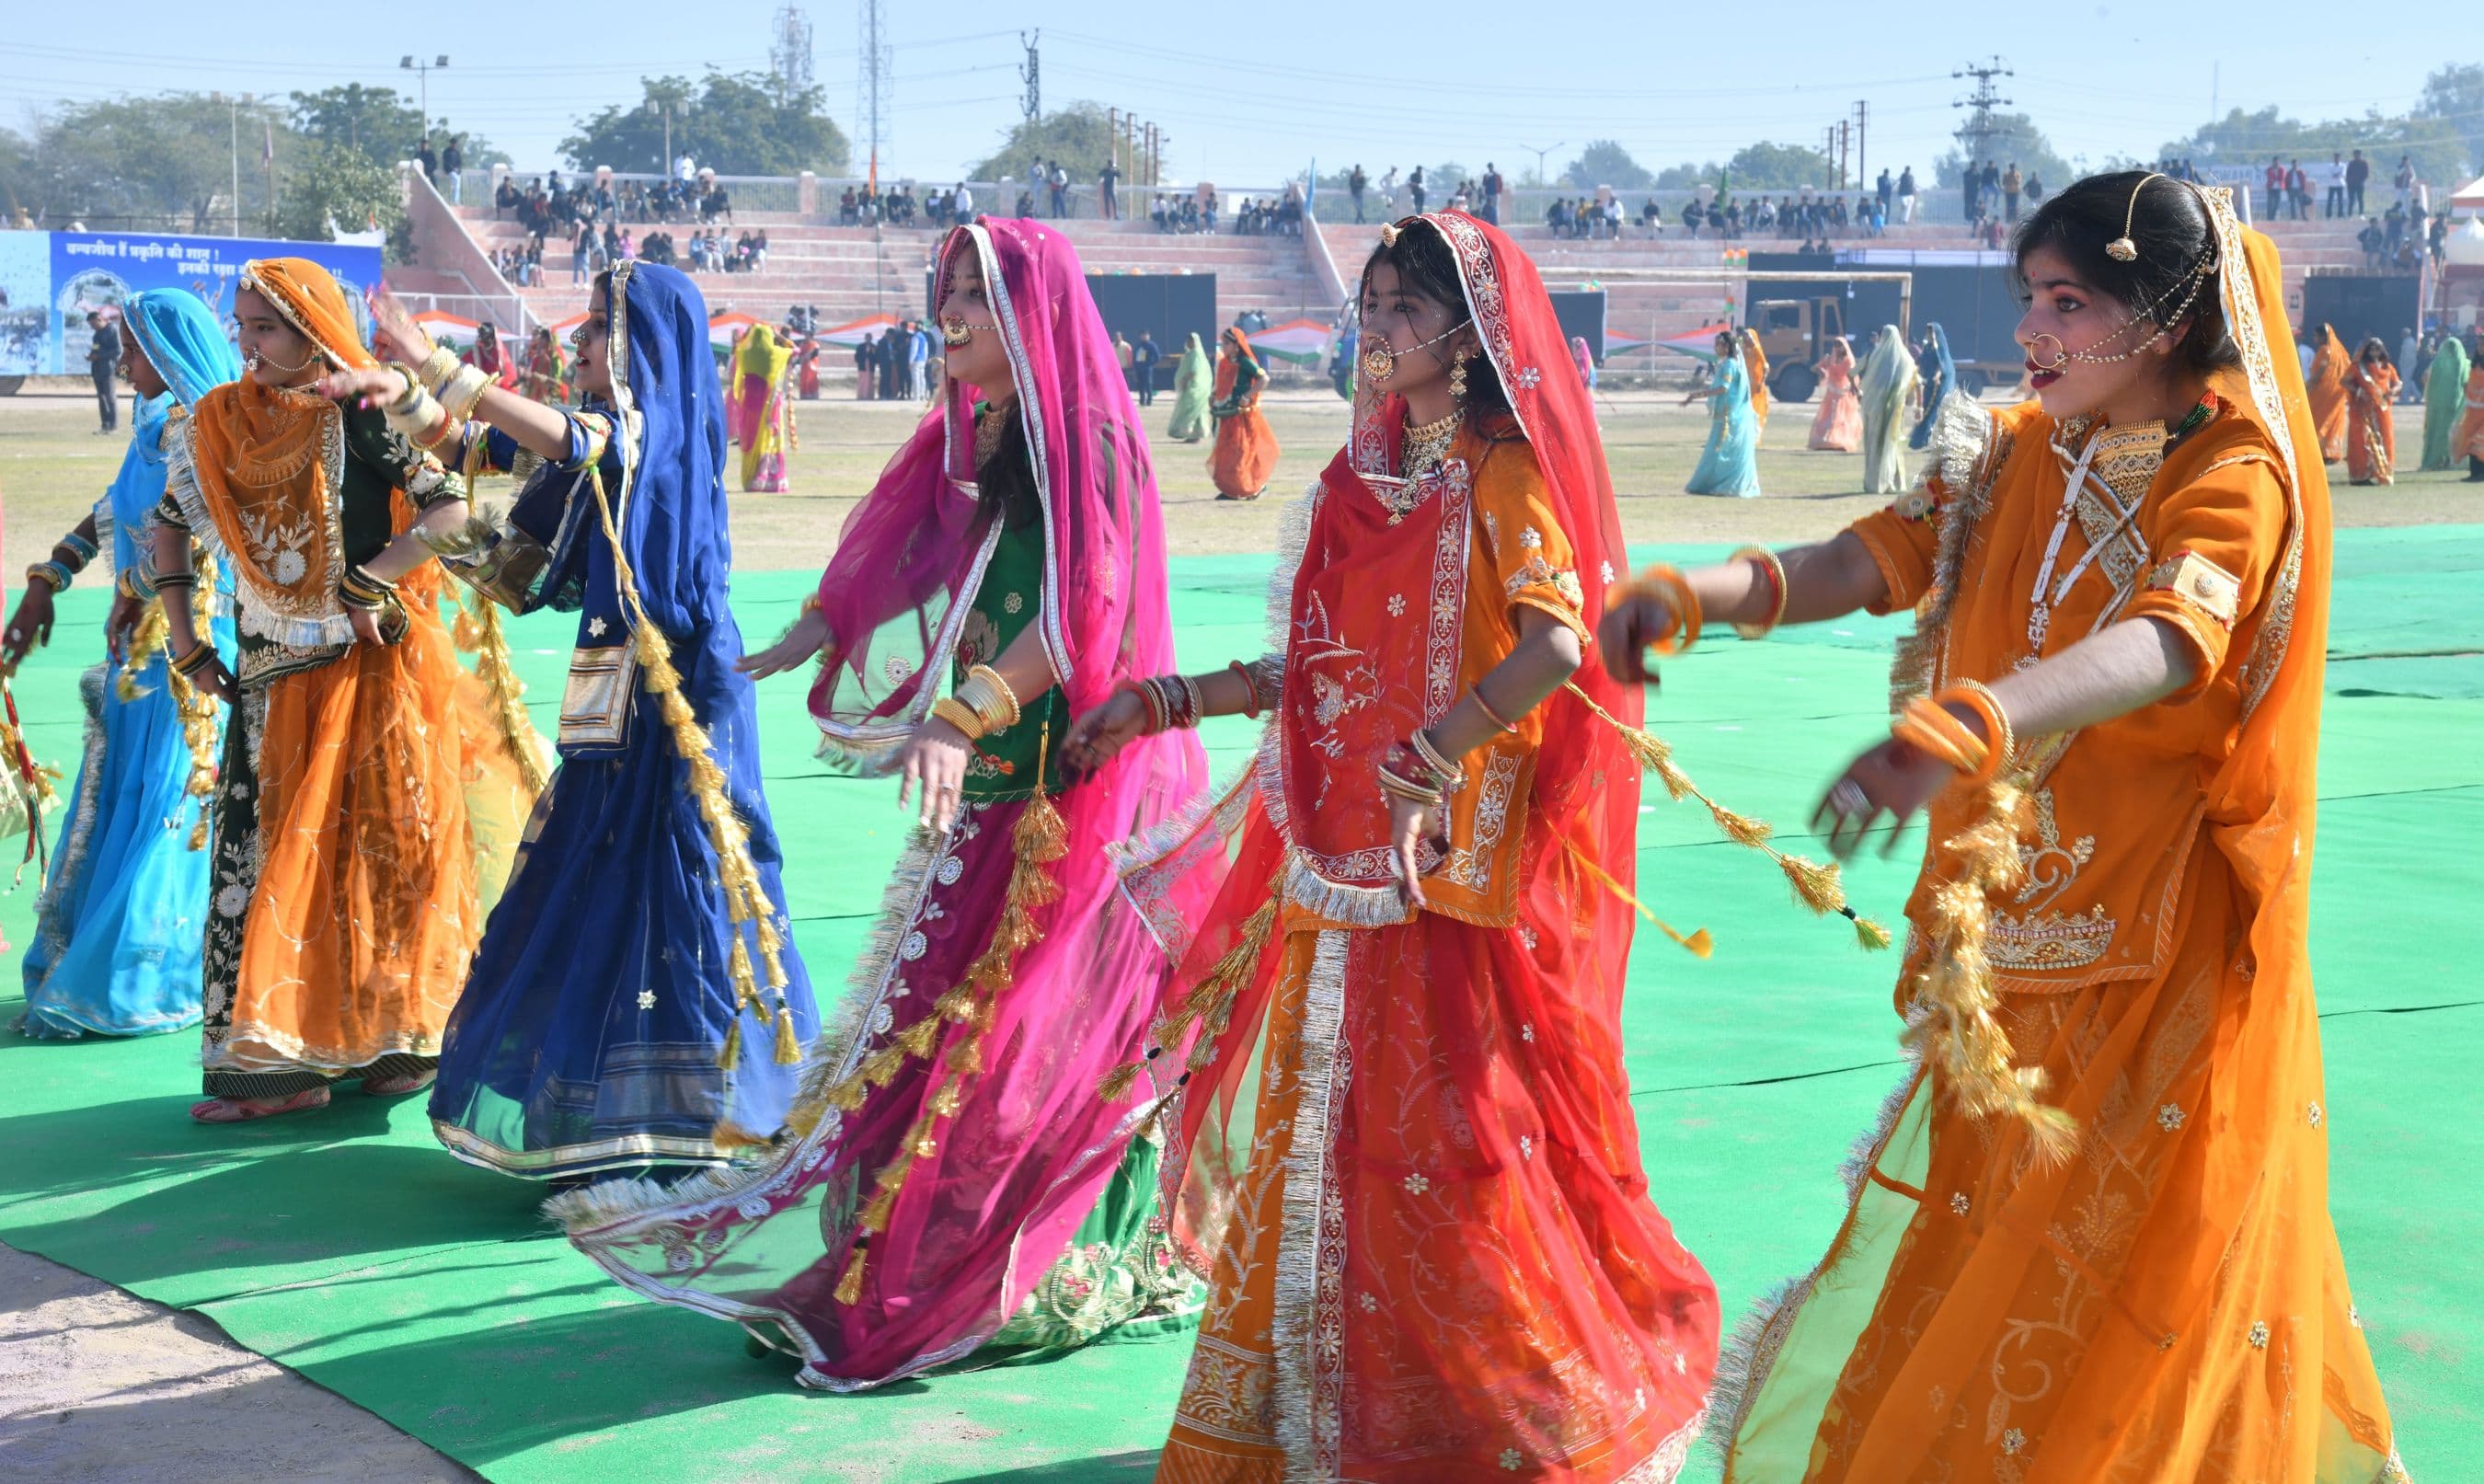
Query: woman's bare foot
column 241, row 1110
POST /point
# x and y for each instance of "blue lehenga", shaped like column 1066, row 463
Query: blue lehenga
column 602, row 999
column 1939, row 373
column 120, row 923
column 1729, row 465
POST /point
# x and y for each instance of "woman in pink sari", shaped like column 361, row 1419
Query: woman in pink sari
column 1838, row 425
column 926, row 1201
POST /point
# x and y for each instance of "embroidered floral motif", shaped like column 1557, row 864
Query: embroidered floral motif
column 1958, row 1202
column 2013, row 1441
column 2313, row 1113
column 2050, row 940
column 1371, row 1305
column 646, row 999
column 1415, row 1183
column 1525, row 1147
column 1510, row 1458
column 2258, row 1335
column 1014, row 603
column 2170, row 1117
column 595, row 627
column 1526, row 1034
column 1530, row 378
column 1396, row 604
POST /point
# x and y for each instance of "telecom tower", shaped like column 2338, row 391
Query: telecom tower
column 1977, row 133
column 874, row 88
column 789, row 53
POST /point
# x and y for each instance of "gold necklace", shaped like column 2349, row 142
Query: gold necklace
column 1427, row 443
column 992, row 424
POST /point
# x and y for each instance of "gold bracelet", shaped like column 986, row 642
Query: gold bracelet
column 994, row 701
column 1772, row 570
column 2001, row 743
column 958, row 713
column 1449, row 775
column 466, row 388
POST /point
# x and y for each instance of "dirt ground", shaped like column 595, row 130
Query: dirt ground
column 53, row 465
column 97, row 1387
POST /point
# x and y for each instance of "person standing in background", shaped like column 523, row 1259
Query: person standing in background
column 2012, row 183
column 2359, row 174
column 1108, row 179
column 2337, row 202
column 1906, row 195
column 1355, row 183
column 102, row 361
column 452, row 159
column 1144, row 357
column 1414, row 189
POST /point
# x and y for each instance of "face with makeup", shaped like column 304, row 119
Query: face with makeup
column 970, row 332
column 274, row 353
column 2088, row 352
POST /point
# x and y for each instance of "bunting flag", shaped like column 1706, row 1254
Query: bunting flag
column 1616, row 343
column 454, row 331
column 1296, row 341
column 1699, row 344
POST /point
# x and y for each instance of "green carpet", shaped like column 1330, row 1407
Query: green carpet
column 347, row 1246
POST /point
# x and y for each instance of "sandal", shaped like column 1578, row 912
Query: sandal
column 238, row 1110
column 398, row 1086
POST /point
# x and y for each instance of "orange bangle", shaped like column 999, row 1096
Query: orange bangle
column 1999, row 742
column 1930, row 728
column 1685, row 608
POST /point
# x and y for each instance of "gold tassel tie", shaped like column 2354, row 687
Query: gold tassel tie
column 1816, row 886
column 479, row 634
column 1699, row 943
column 145, row 641
column 1213, row 1000
column 1955, row 1027
column 1040, row 838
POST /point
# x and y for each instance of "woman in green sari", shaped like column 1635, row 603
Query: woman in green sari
column 1192, row 385
column 2444, row 404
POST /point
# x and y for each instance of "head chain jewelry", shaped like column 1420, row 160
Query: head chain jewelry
column 2189, row 285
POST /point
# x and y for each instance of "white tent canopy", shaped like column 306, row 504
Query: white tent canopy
column 2469, row 197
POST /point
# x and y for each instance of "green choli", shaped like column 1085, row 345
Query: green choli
column 1009, row 599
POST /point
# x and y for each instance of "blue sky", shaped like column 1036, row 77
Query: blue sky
column 1249, row 92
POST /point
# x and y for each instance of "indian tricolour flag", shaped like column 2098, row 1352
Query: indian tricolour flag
column 1296, row 341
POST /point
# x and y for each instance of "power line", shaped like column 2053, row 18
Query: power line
column 1977, row 132
column 875, row 87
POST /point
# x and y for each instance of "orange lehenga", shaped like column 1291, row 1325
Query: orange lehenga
column 2326, row 388
column 2167, row 1304
column 369, row 800
column 1438, row 1264
column 2372, row 432
column 1245, row 452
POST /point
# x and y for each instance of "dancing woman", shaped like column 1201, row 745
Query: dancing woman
column 2444, row 390
column 369, row 797
column 929, row 1194
column 1889, row 380
column 1938, row 375
column 117, row 929
column 1194, row 385
column 491, row 357
column 1442, row 1263
column 2093, row 1222
column 544, row 371
column 761, row 415
column 1755, row 371
column 1838, row 426
column 637, row 999
column 1729, row 464
column 2372, row 426
column 1245, row 455
column 2326, row 388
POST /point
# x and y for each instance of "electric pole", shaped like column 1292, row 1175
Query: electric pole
column 1032, row 70
column 788, row 54
column 423, row 71
column 1862, row 157
column 875, row 87
column 1979, row 129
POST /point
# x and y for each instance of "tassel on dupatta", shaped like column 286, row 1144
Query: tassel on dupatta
column 1212, row 1000
column 478, row 633
column 1817, row 886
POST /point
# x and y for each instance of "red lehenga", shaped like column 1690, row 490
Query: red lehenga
column 1440, row 1262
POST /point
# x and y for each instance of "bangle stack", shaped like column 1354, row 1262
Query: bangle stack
column 1174, row 702
column 358, row 588
column 436, row 368
column 1261, row 682
column 1933, row 728
column 136, row 586
column 1686, row 612
column 1414, row 769
column 198, row 657
column 465, row 387
column 74, row 551
column 982, row 704
column 173, row 581
column 50, row 574
column 1773, row 573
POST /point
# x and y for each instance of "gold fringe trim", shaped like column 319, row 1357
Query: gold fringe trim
column 146, row 642
column 1949, row 996
column 1212, row 1000
column 743, row 899
column 1041, row 838
column 1816, row 886
column 198, row 713
column 478, row 633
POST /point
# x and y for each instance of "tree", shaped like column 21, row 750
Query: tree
column 1603, row 162
column 2014, row 138
column 1686, row 177
column 379, row 124
column 1079, row 137
column 1768, row 166
column 736, row 123
column 2455, row 96
column 162, row 163
column 2434, row 143
column 334, row 188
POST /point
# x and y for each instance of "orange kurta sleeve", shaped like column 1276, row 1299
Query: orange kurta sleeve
column 1520, row 548
column 1904, row 539
column 2211, row 543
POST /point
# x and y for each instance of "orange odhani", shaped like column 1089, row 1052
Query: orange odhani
column 2325, row 389
column 2371, row 430
column 1438, row 1264
column 368, row 805
column 2166, row 1305
column 1245, row 453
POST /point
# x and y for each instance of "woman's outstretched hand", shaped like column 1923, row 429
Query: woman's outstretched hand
column 807, row 637
column 1892, row 779
column 1629, row 625
column 377, row 387
column 395, row 336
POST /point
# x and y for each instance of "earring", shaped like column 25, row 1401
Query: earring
column 1458, row 377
